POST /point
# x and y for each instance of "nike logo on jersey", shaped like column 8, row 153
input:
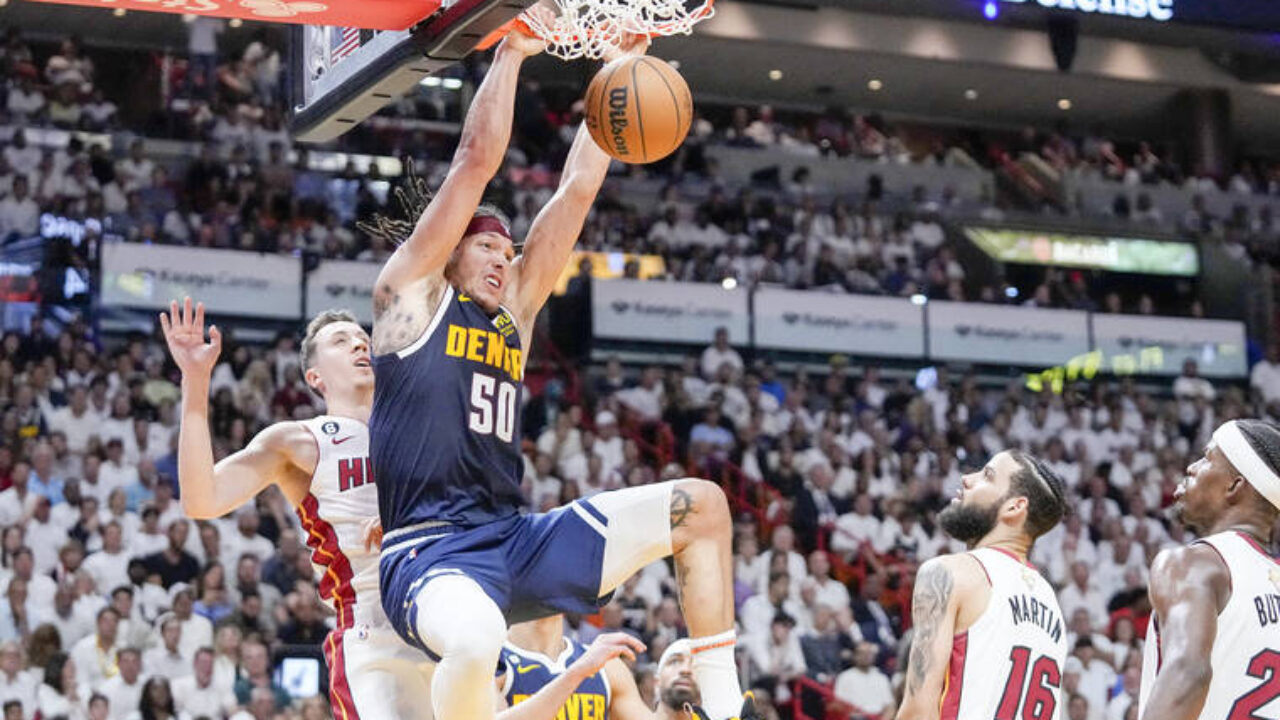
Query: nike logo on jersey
column 337, row 441
column 526, row 668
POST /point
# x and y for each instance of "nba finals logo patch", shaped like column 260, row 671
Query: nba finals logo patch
column 505, row 324
column 329, row 428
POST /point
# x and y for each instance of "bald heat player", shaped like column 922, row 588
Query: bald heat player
column 454, row 312
column 547, row 676
column 322, row 466
column 989, row 639
column 1213, row 647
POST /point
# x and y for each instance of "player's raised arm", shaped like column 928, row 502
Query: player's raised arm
column 1186, row 584
column 556, row 228
column 210, row 491
column 550, row 699
column 934, row 605
column 625, row 702
column 486, row 132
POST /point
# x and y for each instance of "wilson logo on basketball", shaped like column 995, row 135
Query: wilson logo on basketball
column 618, row 119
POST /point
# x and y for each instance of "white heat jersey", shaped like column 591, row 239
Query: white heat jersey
column 1246, row 650
column 1008, row 664
column 341, row 500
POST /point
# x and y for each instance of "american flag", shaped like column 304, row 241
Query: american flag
column 346, row 40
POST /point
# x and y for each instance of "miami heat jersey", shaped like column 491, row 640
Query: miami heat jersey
column 1008, row 664
column 446, row 421
column 527, row 672
column 1246, row 651
column 342, row 499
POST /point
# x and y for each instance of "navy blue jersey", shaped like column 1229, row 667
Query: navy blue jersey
column 528, row 672
column 444, row 434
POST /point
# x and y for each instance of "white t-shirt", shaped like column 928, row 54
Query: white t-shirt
column 212, row 701
column 868, row 690
column 1265, row 378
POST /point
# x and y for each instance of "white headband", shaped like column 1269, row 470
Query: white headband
column 1247, row 462
column 679, row 646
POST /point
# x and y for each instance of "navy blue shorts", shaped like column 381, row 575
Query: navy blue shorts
column 532, row 566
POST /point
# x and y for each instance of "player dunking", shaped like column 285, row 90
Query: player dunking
column 322, row 466
column 454, row 311
column 1213, row 647
column 989, row 638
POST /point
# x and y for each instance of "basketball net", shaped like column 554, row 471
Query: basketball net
column 593, row 28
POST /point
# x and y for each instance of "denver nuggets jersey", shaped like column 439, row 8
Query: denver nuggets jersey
column 1246, row 651
column 446, row 420
column 341, row 500
column 1008, row 664
column 527, row 672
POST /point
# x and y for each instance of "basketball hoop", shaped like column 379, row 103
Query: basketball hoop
column 592, row 28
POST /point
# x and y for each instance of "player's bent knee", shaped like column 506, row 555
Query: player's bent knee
column 702, row 505
column 458, row 620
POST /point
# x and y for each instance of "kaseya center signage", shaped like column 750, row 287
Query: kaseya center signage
column 1158, row 10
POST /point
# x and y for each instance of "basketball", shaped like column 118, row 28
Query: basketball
column 638, row 109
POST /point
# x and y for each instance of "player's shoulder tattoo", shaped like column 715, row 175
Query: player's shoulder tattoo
column 934, row 586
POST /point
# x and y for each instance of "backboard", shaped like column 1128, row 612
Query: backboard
column 342, row 75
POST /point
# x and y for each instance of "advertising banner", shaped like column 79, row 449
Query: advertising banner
column 1003, row 335
column 853, row 324
column 667, row 312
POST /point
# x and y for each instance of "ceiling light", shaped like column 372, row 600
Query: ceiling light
column 919, row 299
column 452, row 84
column 674, row 64
column 188, row 18
column 1064, row 104
column 236, row 22
column 970, row 94
column 775, row 74
column 118, row 12
column 729, row 283
column 431, row 81
column 875, row 85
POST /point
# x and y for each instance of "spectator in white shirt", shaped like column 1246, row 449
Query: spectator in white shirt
column 23, row 157
column 95, row 655
column 782, row 543
column 198, row 695
column 864, row 686
column 165, row 659
column 16, row 683
column 856, row 528
column 720, row 353
column 40, row 588
column 827, row 590
column 134, row 172
column 644, row 399
column 778, row 656
column 124, row 690
column 19, row 213
column 759, row 610
column 1081, row 593
column 1265, row 376
column 608, row 445
column 245, row 539
column 109, row 567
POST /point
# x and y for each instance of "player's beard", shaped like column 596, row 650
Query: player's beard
column 676, row 697
column 969, row 523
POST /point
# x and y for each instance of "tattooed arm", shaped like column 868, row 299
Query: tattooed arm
column 934, row 606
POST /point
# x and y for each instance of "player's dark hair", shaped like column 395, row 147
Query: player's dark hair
column 1264, row 438
column 307, row 353
column 1044, row 490
column 413, row 196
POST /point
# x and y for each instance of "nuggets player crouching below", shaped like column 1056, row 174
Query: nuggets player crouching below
column 989, row 639
column 1213, row 647
column 322, row 466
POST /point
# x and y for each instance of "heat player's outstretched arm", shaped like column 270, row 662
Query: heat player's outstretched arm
column 941, row 586
column 486, row 132
column 556, row 228
column 283, row 453
column 1189, row 587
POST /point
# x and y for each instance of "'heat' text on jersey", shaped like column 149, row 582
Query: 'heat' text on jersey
column 484, row 346
column 354, row 472
column 579, row 706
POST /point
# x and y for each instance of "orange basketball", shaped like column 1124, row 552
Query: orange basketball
column 638, row 109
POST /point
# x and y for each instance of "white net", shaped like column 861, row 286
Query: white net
column 591, row 28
